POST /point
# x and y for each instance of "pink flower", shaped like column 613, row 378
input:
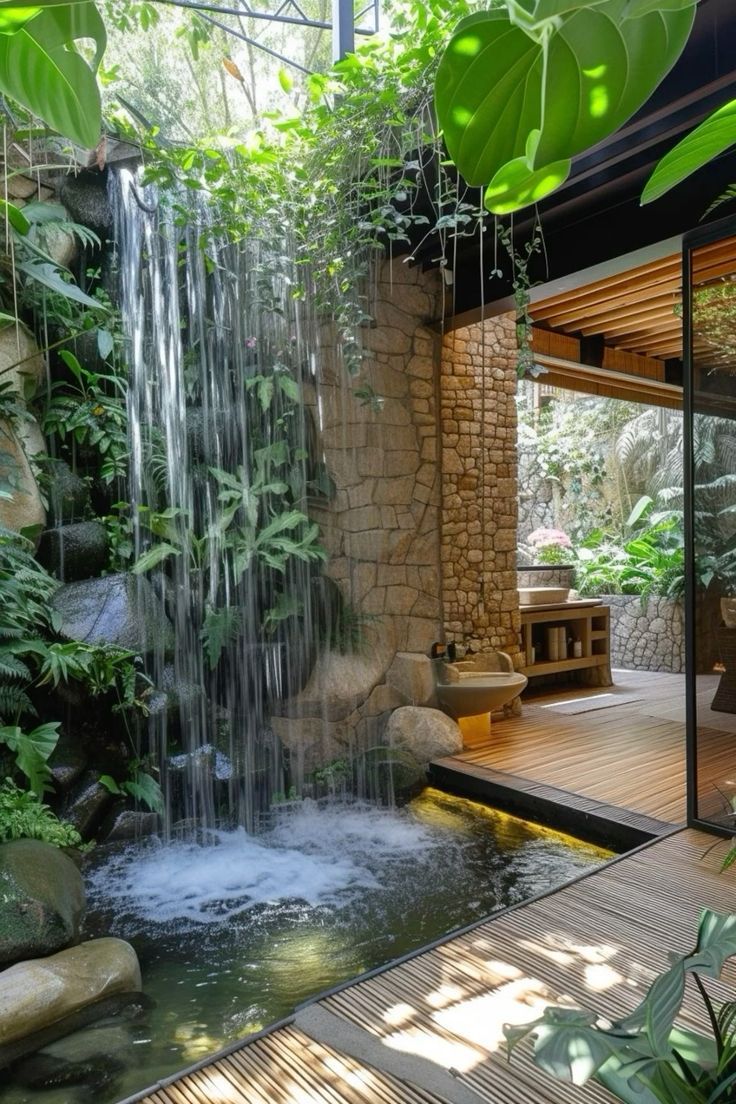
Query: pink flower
column 251, row 342
column 545, row 538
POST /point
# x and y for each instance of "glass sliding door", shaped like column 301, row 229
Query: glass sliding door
column 709, row 316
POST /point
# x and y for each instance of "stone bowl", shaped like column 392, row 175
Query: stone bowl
column 542, row 595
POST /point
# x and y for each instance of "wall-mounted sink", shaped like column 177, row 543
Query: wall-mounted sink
column 542, row 595
column 482, row 693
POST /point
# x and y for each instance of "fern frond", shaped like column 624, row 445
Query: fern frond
column 14, row 702
column 13, row 668
column 725, row 197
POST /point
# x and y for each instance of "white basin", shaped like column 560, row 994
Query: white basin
column 542, row 595
column 480, row 694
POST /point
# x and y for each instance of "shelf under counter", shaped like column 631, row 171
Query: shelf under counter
column 587, row 622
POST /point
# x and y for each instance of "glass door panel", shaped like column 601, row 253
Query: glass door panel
column 710, row 478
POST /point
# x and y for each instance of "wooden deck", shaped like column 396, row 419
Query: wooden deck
column 430, row 1029
column 631, row 754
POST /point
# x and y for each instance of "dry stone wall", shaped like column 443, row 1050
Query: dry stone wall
column 646, row 636
column 479, row 485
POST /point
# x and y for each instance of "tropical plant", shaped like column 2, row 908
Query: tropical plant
column 140, row 785
column 525, row 87
column 24, row 816
column 644, row 1058
column 713, row 137
column 90, row 413
column 650, row 562
column 42, row 69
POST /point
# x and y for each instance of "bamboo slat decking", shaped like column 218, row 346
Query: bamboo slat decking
column 597, row 942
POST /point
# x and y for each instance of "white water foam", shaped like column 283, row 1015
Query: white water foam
column 316, row 855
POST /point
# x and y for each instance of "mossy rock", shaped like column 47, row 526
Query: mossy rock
column 42, row 899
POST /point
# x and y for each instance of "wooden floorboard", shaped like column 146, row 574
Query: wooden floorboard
column 621, row 756
column 596, row 943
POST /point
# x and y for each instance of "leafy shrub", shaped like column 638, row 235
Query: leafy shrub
column 650, row 562
column 24, row 816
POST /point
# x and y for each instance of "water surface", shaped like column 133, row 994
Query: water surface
column 234, row 935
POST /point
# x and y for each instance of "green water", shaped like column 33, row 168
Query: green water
column 232, row 937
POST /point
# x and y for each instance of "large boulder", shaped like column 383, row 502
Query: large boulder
column 21, row 362
column 341, row 682
column 40, row 992
column 412, row 676
column 69, row 498
column 24, row 508
column 85, row 197
column 41, row 900
column 121, row 610
column 76, row 551
column 426, row 734
column 87, row 804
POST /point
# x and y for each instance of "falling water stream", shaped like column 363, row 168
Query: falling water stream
column 248, row 905
column 221, row 355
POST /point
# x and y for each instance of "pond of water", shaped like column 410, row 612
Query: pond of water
column 233, row 935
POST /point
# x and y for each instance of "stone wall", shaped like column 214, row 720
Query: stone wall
column 381, row 528
column 646, row 637
column 478, row 385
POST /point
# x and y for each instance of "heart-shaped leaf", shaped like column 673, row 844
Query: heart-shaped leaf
column 601, row 69
column 40, row 68
column 515, row 185
column 576, row 84
column 488, row 94
column 707, row 141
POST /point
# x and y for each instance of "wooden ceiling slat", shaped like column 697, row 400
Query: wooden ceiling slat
column 659, row 305
column 643, row 273
column 660, row 284
column 635, row 311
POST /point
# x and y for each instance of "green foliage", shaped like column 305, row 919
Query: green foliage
column 32, row 751
column 140, row 785
column 519, row 93
column 24, row 816
column 709, row 140
column 651, row 562
column 644, row 1058
column 42, row 69
column 89, row 412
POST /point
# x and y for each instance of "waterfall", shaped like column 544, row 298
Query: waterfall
column 223, row 460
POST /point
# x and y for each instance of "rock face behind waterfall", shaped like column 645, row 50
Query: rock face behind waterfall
column 106, row 611
column 42, row 897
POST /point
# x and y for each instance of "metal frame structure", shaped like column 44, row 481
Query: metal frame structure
column 346, row 23
column 724, row 228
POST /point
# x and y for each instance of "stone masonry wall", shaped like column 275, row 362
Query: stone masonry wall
column 381, row 529
column 647, row 637
column 382, row 526
column 478, row 385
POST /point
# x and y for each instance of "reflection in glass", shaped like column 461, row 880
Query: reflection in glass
column 713, row 519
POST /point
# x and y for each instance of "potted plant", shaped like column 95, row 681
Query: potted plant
column 644, row 1058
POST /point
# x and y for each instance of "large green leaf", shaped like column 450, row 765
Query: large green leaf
column 15, row 17
column 707, row 141
column 31, row 750
column 51, row 277
column 515, row 185
column 576, row 84
column 40, row 68
column 602, row 67
column 488, row 94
